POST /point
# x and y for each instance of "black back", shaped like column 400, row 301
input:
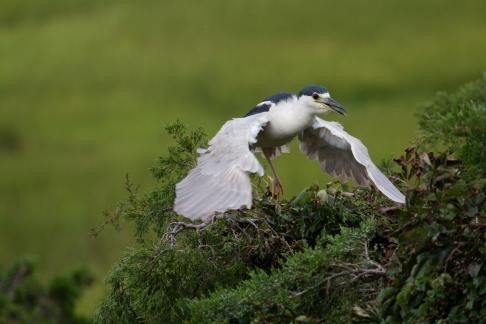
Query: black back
column 261, row 108
column 275, row 99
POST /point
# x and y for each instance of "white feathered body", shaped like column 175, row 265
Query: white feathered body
column 220, row 180
column 285, row 121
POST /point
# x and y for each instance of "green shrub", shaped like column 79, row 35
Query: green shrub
column 176, row 262
column 25, row 299
column 457, row 121
column 313, row 285
column 437, row 265
column 327, row 255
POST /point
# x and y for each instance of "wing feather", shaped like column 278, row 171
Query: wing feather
column 342, row 155
column 220, row 180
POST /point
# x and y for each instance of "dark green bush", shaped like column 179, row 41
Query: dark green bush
column 437, row 267
column 327, row 255
column 313, row 285
column 25, row 299
column 176, row 262
column 457, row 121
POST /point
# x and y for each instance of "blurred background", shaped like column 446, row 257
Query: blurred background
column 87, row 86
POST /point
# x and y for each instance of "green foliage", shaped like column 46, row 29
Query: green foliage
column 438, row 266
column 150, row 283
column 299, row 291
column 86, row 84
column 437, row 243
column 326, row 255
column 25, row 299
column 457, row 121
column 156, row 281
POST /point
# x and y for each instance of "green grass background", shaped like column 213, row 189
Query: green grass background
column 86, row 87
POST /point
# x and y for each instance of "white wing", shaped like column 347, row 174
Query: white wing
column 220, row 180
column 342, row 155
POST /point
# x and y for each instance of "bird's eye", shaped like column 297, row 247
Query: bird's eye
column 315, row 96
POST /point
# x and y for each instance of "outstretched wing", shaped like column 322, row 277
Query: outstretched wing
column 220, row 180
column 342, row 155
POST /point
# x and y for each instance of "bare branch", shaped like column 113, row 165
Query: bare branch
column 355, row 271
column 176, row 227
column 241, row 220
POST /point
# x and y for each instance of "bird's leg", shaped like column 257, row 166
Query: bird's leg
column 277, row 189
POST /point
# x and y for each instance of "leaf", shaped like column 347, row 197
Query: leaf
column 456, row 190
column 304, row 197
column 360, row 312
column 473, row 269
column 435, row 230
column 425, row 158
column 323, row 196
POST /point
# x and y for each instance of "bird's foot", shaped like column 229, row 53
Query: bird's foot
column 277, row 190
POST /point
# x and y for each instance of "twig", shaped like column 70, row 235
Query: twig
column 176, row 227
column 241, row 220
column 367, row 256
column 449, row 257
column 355, row 270
column 329, row 279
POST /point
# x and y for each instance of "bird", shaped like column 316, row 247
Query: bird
column 220, row 180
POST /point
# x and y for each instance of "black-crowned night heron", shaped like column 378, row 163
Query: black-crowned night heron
column 220, row 181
